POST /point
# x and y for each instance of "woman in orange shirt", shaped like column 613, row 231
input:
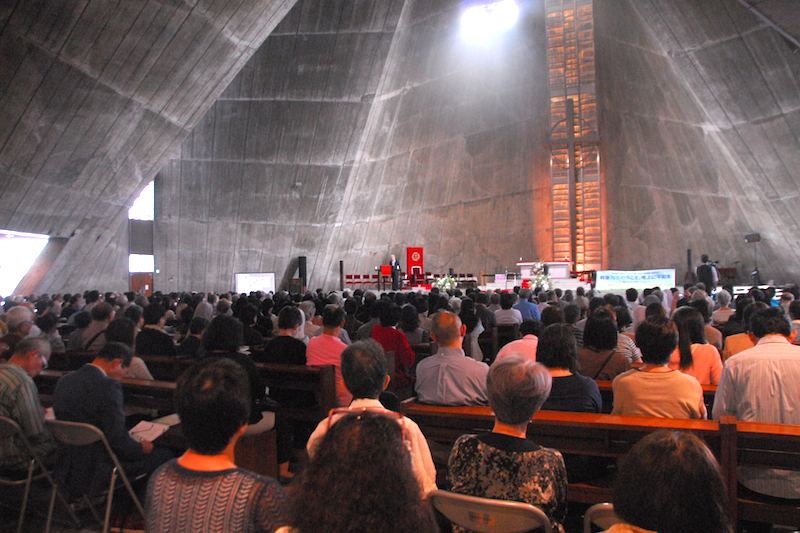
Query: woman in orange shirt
column 694, row 356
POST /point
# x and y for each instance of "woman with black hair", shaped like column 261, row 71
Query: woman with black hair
column 360, row 479
column 409, row 325
column 598, row 359
column 670, row 482
column 571, row 391
column 654, row 389
column 203, row 490
column 694, row 356
column 222, row 338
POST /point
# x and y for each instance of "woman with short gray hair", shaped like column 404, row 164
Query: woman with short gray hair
column 504, row 464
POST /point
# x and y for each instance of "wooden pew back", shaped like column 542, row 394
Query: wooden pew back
column 760, row 445
column 586, row 434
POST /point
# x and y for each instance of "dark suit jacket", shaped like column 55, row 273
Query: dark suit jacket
column 88, row 395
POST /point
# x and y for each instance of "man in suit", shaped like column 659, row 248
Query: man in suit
column 395, row 273
column 93, row 395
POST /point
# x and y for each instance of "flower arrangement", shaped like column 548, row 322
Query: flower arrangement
column 540, row 276
column 445, row 283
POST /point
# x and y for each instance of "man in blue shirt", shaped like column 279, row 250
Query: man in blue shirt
column 529, row 310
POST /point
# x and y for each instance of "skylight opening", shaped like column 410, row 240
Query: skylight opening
column 18, row 251
column 144, row 207
column 478, row 23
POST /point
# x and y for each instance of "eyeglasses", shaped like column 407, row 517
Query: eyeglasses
column 371, row 410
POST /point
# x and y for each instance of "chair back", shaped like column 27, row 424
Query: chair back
column 82, row 434
column 602, row 515
column 76, row 433
column 8, row 428
column 489, row 516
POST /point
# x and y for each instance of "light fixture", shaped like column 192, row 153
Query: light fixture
column 481, row 21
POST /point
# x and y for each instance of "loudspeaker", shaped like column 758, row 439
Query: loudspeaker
column 301, row 265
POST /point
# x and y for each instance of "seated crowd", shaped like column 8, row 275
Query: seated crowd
column 658, row 348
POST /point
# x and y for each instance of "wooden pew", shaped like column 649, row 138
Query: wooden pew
column 761, row 445
column 506, row 333
column 144, row 393
column 585, row 434
column 315, row 380
column 423, row 350
column 291, row 379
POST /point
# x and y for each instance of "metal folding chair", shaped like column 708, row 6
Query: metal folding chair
column 489, row 516
column 602, row 515
column 36, row 471
column 80, row 434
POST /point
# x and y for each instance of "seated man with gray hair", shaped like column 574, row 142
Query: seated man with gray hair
column 19, row 320
column 365, row 373
column 19, row 401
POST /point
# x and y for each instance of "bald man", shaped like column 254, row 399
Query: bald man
column 449, row 377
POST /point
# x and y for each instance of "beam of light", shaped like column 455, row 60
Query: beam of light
column 480, row 22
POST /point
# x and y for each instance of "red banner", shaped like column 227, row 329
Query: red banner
column 415, row 264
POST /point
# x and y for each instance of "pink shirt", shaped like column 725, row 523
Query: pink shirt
column 327, row 350
column 706, row 363
column 524, row 347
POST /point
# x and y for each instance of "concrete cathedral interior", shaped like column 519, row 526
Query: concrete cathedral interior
column 347, row 130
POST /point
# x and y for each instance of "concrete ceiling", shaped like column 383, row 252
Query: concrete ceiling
column 783, row 14
column 96, row 97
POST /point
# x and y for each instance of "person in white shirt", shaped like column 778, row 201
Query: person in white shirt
column 507, row 315
column 762, row 384
column 365, row 375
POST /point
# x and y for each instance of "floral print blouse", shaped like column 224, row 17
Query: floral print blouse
column 503, row 467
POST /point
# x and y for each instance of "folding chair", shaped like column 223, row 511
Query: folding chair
column 36, row 471
column 602, row 515
column 80, row 434
column 489, row 516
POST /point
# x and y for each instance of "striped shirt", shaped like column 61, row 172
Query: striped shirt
column 19, row 400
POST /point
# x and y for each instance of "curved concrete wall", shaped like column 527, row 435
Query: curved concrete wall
column 700, row 118
column 94, row 95
column 400, row 134
column 360, row 127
